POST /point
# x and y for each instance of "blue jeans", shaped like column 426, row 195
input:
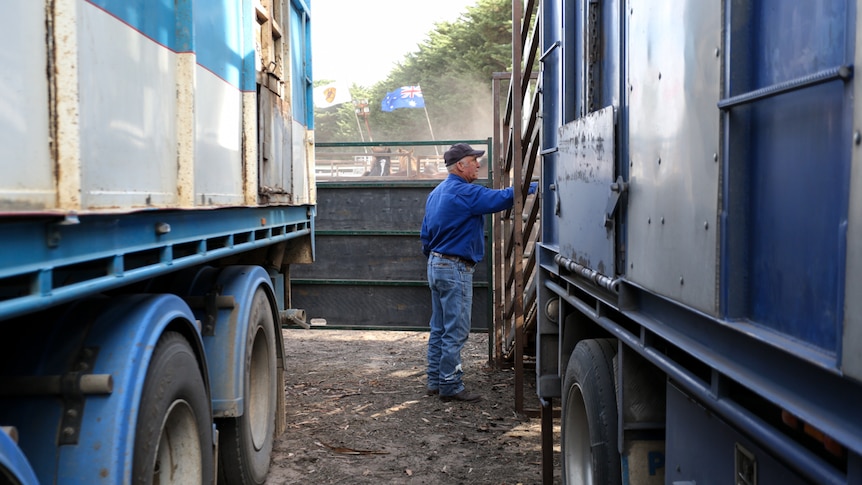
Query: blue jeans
column 451, row 284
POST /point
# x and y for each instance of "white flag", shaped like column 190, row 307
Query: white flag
column 331, row 95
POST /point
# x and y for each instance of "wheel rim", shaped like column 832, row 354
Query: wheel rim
column 260, row 379
column 578, row 455
column 178, row 457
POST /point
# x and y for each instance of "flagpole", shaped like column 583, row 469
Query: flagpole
column 425, row 107
column 437, row 152
column 358, row 126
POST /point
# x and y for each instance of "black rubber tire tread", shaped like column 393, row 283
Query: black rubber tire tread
column 239, row 462
column 591, row 366
column 6, row 478
column 173, row 374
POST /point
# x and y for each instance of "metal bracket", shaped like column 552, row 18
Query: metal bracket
column 73, row 397
column 211, row 303
column 555, row 190
column 745, row 466
column 618, row 188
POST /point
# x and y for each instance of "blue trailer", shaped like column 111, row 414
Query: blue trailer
column 157, row 183
column 700, row 265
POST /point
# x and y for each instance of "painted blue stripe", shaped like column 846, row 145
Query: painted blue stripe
column 300, row 59
column 220, row 42
column 217, row 31
column 154, row 18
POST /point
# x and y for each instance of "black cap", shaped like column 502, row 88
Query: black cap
column 460, row 150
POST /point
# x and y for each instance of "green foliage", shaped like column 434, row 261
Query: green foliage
column 454, row 66
column 339, row 123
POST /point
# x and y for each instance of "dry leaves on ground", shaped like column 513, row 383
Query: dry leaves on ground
column 357, row 413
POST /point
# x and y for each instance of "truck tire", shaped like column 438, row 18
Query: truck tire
column 173, row 440
column 245, row 442
column 590, row 454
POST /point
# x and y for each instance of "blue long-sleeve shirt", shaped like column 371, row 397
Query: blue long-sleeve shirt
column 454, row 222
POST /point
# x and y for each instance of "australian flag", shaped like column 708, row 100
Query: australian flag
column 403, row 97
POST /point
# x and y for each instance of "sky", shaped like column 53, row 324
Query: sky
column 359, row 42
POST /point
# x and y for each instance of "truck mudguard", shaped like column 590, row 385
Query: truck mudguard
column 13, row 462
column 98, row 354
column 225, row 342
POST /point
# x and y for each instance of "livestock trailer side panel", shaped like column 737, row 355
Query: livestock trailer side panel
column 156, row 187
column 152, row 106
column 673, row 86
column 705, row 268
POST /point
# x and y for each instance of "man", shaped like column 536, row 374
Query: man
column 453, row 240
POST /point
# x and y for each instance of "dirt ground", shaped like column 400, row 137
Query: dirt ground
column 357, row 413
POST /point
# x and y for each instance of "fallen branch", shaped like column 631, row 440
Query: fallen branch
column 350, row 451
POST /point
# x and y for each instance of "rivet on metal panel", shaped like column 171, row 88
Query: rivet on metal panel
column 659, row 76
column 649, row 220
column 662, row 220
column 681, row 281
column 53, row 238
column 658, row 161
column 717, row 52
column 706, row 225
column 715, row 157
column 162, row 228
column 857, row 137
column 263, row 221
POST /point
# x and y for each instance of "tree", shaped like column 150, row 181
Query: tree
column 454, row 67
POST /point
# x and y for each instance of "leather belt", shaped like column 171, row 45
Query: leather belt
column 454, row 258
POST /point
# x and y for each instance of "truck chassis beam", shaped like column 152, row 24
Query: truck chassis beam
column 102, row 252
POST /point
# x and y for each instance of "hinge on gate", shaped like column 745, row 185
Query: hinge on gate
column 618, row 188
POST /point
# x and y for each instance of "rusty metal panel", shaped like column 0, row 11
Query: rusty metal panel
column 582, row 190
column 284, row 167
column 135, row 119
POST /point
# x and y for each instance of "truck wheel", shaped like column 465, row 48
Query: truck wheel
column 173, row 440
column 245, row 442
column 589, row 416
